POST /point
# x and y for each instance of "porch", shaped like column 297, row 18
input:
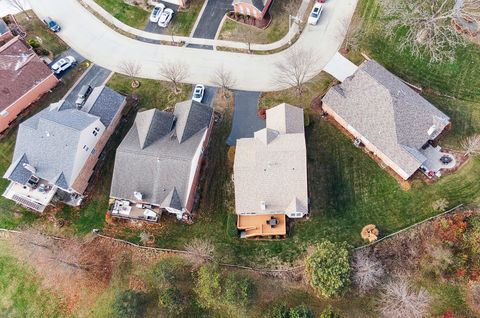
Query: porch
column 36, row 195
column 138, row 211
column 263, row 225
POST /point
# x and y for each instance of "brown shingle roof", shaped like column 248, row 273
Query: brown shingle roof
column 20, row 70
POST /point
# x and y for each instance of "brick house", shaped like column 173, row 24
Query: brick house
column 24, row 78
column 157, row 165
column 393, row 121
column 5, row 32
column 253, row 8
column 57, row 149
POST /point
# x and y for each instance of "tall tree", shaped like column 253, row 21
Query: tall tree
column 175, row 72
column 295, row 70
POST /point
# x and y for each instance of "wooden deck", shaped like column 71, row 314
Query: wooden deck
column 256, row 225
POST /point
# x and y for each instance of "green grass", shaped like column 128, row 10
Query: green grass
column 20, row 292
column 36, row 29
column 133, row 16
column 183, row 20
column 277, row 29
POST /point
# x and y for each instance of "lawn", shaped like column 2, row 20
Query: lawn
column 183, row 21
column 277, row 29
column 37, row 30
column 133, row 16
column 20, row 292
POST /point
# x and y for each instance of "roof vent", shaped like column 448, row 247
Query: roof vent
column 138, row 195
column 263, row 205
column 431, row 130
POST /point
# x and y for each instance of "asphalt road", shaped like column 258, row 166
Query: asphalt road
column 245, row 116
column 211, row 18
column 95, row 76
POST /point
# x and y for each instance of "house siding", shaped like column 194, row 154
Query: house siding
column 26, row 100
column 82, row 180
column 368, row 145
column 243, row 8
column 193, row 188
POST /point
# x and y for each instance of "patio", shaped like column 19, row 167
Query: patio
column 433, row 164
column 262, row 225
column 128, row 210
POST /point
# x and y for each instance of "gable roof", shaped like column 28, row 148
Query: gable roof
column 388, row 113
column 155, row 157
column 51, row 140
column 20, row 71
column 273, row 172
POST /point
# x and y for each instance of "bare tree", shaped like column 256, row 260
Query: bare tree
column 132, row 69
column 367, row 271
column 144, row 237
column 199, row 251
column 249, row 36
column 175, row 72
column 19, row 5
column 224, row 79
column 296, row 69
column 399, row 300
column 471, row 145
column 429, row 24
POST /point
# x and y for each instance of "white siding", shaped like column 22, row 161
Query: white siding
column 194, row 163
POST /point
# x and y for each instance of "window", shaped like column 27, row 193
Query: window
column 241, row 9
column 4, row 113
column 95, row 132
column 85, row 147
column 248, row 11
column 255, row 13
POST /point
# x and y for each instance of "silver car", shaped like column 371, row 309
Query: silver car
column 63, row 64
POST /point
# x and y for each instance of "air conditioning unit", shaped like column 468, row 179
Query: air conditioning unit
column 138, row 195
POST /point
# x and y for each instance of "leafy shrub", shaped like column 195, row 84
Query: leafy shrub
column 130, row 304
column 282, row 311
column 231, row 294
column 328, row 268
column 171, row 299
column 329, row 313
column 166, row 272
column 33, row 43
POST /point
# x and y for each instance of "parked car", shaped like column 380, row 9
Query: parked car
column 157, row 12
column 165, row 18
column 315, row 15
column 63, row 64
column 51, row 24
column 83, row 95
column 198, row 93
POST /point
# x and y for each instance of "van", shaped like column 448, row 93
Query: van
column 83, row 95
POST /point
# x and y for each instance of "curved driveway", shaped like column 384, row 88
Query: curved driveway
column 107, row 48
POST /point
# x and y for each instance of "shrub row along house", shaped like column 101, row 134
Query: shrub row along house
column 270, row 174
column 24, row 78
column 157, row 165
column 387, row 116
column 57, row 149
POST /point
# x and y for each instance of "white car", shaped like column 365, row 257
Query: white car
column 165, row 18
column 198, row 93
column 156, row 12
column 62, row 64
column 315, row 15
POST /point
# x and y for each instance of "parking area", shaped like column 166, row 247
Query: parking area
column 437, row 160
column 95, row 76
column 153, row 26
column 245, row 116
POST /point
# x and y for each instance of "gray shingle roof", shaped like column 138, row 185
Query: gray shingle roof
column 3, row 27
column 51, row 140
column 160, row 170
column 272, row 166
column 105, row 103
column 388, row 113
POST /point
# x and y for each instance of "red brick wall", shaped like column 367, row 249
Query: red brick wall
column 6, row 36
column 193, row 189
column 81, row 182
column 23, row 102
column 241, row 8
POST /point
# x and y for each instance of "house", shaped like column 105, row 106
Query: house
column 392, row 120
column 270, row 174
column 24, row 77
column 157, row 165
column 5, row 32
column 252, row 8
column 57, row 149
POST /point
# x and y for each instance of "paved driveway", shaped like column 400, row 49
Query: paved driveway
column 245, row 116
column 153, row 26
column 108, row 48
column 211, row 18
column 95, row 76
column 70, row 52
